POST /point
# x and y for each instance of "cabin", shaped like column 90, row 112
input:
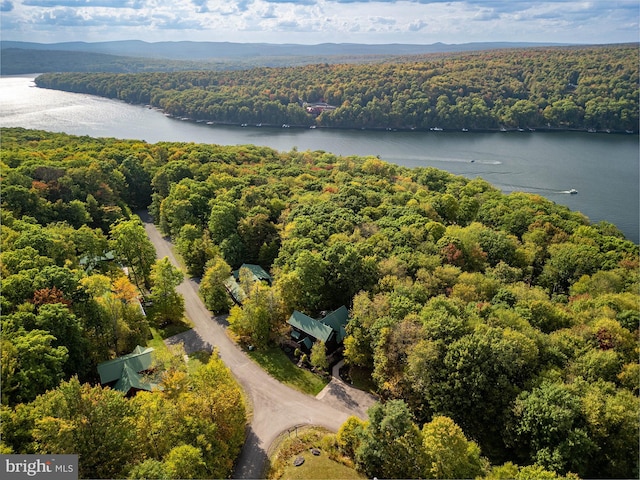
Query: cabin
column 126, row 373
column 232, row 284
column 305, row 330
column 90, row 263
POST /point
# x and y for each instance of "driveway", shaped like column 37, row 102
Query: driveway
column 344, row 396
column 276, row 407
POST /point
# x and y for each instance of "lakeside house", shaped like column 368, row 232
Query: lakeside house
column 318, row 108
column 232, row 284
column 305, row 330
column 126, row 373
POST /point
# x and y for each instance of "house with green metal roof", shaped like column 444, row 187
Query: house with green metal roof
column 232, row 284
column 338, row 320
column 125, row 373
column 89, row 263
column 306, row 330
column 234, row 289
column 258, row 273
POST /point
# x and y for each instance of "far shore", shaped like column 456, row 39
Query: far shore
column 434, row 129
column 543, row 129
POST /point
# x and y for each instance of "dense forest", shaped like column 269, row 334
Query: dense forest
column 566, row 88
column 506, row 323
column 67, row 305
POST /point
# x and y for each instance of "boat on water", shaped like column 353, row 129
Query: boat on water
column 573, row 191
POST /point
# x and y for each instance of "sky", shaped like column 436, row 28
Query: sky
column 320, row 21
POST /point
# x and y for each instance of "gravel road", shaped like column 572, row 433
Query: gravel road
column 276, row 407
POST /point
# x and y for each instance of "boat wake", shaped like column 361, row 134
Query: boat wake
column 531, row 189
column 416, row 160
column 464, row 160
column 487, row 162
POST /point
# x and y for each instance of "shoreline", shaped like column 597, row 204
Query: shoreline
column 544, row 129
column 312, row 126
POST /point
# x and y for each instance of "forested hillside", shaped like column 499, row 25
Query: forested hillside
column 16, row 61
column 578, row 88
column 205, row 51
column 507, row 320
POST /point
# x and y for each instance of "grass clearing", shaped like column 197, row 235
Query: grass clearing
column 174, row 328
column 325, row 466
column 159, row 334
column 196, row 360
column 319, row 468
column 157, row 341
column 274, row 361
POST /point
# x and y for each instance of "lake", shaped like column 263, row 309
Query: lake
column 604, row 169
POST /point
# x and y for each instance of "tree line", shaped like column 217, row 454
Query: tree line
column 566, row 88
column 507, row 321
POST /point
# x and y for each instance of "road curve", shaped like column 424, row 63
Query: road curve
column 276, row 407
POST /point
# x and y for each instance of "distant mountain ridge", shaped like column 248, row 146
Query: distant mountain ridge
column 186, row 50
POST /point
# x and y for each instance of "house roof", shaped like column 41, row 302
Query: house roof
column 234, row 289
column 337, row 320
column 89, row 262
column 306, row 341
column 259, row 273
column 132, row 379
column 107, row 257
column 136, row 361
column 310, row 326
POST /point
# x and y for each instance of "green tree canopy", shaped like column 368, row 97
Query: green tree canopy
column 212, row 287
column 391, row 445
column 132, row 246
column 168, row 304
column 448, row 452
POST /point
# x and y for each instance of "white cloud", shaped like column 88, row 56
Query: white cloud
column 418, row 25
column 85, row 3
column 317, row 21
column 269, row 12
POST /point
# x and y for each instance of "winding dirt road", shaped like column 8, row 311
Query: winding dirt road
column 276, row 407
